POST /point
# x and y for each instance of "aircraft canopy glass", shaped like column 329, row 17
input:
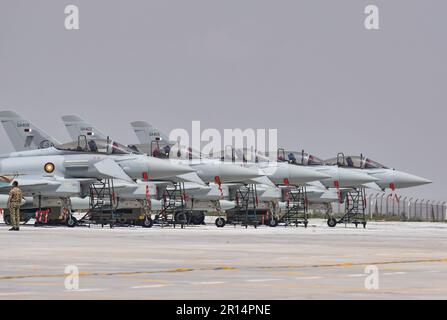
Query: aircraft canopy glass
column 300, row 158
column 355, row 162
column 165, row 150
column 241, row 155
column 96, row 146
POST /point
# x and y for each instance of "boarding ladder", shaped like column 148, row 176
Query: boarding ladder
column 296, row 211
column 355, row 207
column 173, row 206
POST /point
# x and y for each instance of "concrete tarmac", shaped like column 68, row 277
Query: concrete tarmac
column 387, row 260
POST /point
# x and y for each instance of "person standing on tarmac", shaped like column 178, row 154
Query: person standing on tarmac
column 14, row 201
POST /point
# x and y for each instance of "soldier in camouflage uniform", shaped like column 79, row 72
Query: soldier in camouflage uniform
column 14, row 200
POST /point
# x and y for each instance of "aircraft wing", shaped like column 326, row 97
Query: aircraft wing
column 316, row 184
column 263, row 180
column 373, row 186
column 112, row 170
column 24, row 183
column 35, row 184
column 191, row 177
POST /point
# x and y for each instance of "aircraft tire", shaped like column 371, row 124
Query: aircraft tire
column 147, row 223
column 199, row 218
column 331, row 222
column 181, row 218
column 72, row 222
column 220, row 222
column 273, row 222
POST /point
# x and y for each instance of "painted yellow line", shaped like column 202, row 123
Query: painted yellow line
column 226, row 268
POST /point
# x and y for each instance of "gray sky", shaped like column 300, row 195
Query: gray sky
column 308, row 68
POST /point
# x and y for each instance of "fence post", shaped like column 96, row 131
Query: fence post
column 404, row 214
column 416, row 208
column 421, row 205
column 443, row 211
column 409, row 208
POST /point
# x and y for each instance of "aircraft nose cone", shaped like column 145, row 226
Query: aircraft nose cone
column 351, row 178
column 236, row 173
column 406, row 180
column 159, row 168
column 301, row 175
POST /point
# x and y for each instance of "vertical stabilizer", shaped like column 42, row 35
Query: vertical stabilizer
column 76, row 127
column 23, row 134
column 146, row 133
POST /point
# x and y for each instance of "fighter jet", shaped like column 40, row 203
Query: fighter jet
column 277, row 173
column 25, row 136
column 67, row 170
column 386, row 177
column 215, row 174
column 339, row 177
column 209, row 171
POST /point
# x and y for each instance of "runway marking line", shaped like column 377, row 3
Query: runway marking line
column 148, row 286
column 86, row 290
column 356, row 275
column 207, row 282
column 120, row 273
column 15, row 293
column 262, row 280
column 394, row 273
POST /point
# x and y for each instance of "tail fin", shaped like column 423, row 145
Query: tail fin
column 23, row 134
column 77, row 126
column 146, row 133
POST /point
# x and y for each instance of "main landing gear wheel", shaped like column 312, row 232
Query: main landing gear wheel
column 198, row 218
column 181, row 218
column 72, row 222
column 273, row 222
column 331, row 222
column 305, row 224
column 220, row 222
column 147, row 223
column 364, row 225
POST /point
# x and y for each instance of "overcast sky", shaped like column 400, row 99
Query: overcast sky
column 308, row 68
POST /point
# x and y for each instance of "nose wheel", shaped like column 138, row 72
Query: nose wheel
column 147, row 222
column 273, row 222
column 220, row 222
column 331, row 222
column 72, row 222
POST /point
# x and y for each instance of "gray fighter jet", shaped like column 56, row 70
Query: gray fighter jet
column 387, row 178
column 278, row 173
column 208, row 170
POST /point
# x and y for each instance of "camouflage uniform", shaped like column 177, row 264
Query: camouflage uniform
column 15, row 198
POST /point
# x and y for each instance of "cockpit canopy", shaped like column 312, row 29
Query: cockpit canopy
column 358, row 162
column 102, row 146
column 300, row 158
column 166, row 150
column 242, row 155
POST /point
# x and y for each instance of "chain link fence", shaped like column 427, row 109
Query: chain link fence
column 389, row 205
